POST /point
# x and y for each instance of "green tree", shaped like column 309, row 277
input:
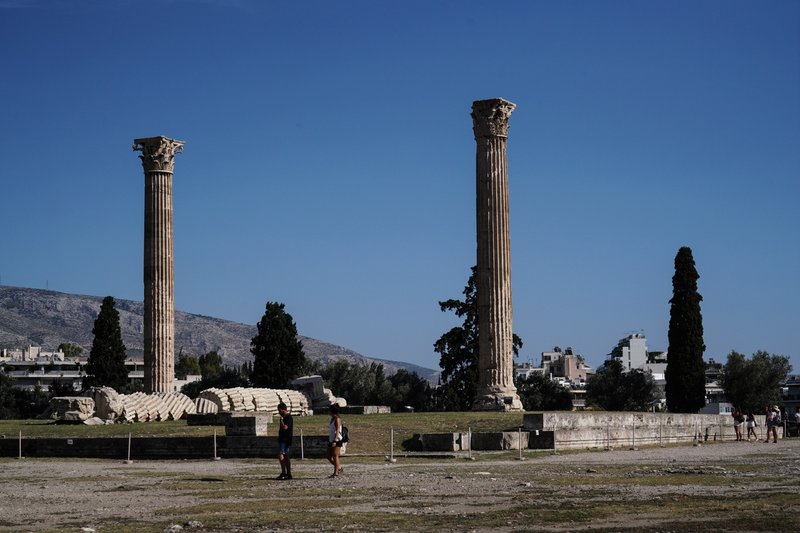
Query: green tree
column 246, row 369
column 368, row 385
column 359, row 384
column 210, row 365
column 685, row 374
column 70, row 350
column 187, row 365
column 106, row 364
column 540, row 393
column 614, row 390
column 278, row 354
column 8, row 398
column 458, row 351
column 753, row 384
column 410, row 390
column 62, row 388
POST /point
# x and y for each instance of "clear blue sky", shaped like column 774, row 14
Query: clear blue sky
column 329, row 161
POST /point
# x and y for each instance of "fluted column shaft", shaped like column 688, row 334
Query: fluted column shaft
column 159, row 279
column 496, row 390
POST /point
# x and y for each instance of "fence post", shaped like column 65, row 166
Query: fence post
column 302, row 446
column 555, row 449
column 391, row 445
column 20, row 445
column 216, row 458
column 128, row 461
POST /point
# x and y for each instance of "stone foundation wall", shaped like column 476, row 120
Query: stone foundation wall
column 145, row 448
column 581, row 430
column 365, row 410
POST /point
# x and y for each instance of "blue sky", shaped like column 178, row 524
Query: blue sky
column 329, row 161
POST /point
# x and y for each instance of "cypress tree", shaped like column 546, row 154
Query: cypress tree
column 106, row 364
column 685, row 374
column 278, row 354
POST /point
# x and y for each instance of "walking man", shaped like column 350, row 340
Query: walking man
column 285, row 434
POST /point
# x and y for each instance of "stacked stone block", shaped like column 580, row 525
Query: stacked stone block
column 258, row 400
column 319, row 397
column 205, row 406
column 108, row 405
column 71, row 409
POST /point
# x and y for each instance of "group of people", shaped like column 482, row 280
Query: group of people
column 286, row 433
column 772, row 420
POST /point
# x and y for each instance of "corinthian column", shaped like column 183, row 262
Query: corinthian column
column 496, row 389
column 158, row 160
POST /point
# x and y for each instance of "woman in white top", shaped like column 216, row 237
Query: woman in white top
column 335, row 439
column 751, row 426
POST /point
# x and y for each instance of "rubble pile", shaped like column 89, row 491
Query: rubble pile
column 241, row 399
column 319, row 397
column 140, row 407
column 71, row 408
column 107, row 405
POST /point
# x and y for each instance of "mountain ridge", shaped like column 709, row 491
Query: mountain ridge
column 48, row 318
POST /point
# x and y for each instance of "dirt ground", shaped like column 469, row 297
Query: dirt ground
column 714, row 487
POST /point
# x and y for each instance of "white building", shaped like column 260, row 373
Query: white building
column 632, row 352
column 32, row 367
column 564, row 367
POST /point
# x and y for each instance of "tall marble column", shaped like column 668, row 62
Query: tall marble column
column 158, row 160
column 496, row 390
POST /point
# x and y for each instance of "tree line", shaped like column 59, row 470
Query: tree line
column 278, row 358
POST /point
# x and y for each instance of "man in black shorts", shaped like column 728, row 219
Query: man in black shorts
column 285, row 434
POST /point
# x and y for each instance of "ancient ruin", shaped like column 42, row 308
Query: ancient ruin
column 158, row 160
column 496, row 390
column 110, row 406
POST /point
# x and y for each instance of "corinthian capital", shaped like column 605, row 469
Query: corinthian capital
column 158, row 153
column 490, row 117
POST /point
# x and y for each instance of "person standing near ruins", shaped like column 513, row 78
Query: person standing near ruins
column 738, row 420
column 285, row 435
column 751, row 426
column 335, row 440
column 773, row 421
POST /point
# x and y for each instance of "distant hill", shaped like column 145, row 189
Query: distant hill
column 48, row 318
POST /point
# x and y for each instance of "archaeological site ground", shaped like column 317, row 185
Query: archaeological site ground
column 727, row 486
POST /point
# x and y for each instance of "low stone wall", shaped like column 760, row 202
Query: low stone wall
column 499, row 440
column 586, row 430
column 481, row 441
column 143, row 448
column 247, row 426
column 439, row 442
column 208, row 419
column 365, row 410
column 541, row 440
column 579, row 430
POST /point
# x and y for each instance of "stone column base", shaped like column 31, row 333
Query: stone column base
column 498, row 402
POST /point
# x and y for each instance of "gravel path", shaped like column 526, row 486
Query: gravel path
column 70, row 494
